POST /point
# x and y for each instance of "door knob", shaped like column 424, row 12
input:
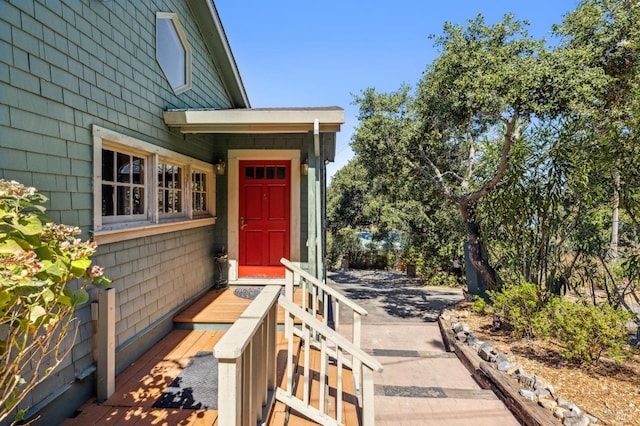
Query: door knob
column 242, row 224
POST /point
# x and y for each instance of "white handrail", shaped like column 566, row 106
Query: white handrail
column 323, row 334
column 333, row 292
column 247, row 362
column 338, row 299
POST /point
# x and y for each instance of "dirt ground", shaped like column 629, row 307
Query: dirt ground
column 609, row 391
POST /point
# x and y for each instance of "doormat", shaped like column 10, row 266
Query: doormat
column 250, row 292
column 196, row 387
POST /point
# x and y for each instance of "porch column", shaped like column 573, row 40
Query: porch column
column 106, row 371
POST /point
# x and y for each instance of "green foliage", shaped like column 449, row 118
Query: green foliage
column 39, row 261
column 480, row 306
column 520, row 305
column 587, row 331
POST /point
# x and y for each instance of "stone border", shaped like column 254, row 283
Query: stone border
column 527, row 396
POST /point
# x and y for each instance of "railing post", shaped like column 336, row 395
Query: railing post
column 230, row 392
column 106, row 369
column 272, row 347
column 368, row 408
column 247, row 362
column 357, row 337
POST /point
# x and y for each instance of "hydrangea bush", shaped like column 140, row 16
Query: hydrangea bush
column 44, row 272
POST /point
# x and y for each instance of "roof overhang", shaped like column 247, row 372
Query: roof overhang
column 255, row 120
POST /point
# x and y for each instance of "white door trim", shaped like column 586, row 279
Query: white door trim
column 233, row 200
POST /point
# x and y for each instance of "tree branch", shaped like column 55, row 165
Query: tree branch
column 512, row 133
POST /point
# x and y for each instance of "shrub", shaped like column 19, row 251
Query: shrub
column 480, row 306
column 586, row 331
column 520, row 305
column 44, row 270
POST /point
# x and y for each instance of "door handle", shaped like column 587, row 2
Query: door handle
column 242, row 224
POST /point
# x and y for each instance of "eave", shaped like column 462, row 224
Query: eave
column 255, row 120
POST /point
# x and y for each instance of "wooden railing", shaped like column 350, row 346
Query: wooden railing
column 317, row 296
column 333, row 349
column 247, row 363
column 247, row 355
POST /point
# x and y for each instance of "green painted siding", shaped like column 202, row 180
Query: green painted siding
column 64, row 67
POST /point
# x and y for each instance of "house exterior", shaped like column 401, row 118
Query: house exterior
column 132, row 118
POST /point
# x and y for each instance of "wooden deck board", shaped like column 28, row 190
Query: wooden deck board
column 221, row 307
column 143, row 382
column 140, row 386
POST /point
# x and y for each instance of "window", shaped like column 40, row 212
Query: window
column 129, row 194
column 122, row 184
column 199, row 189
column 173, row 52
column 170, row 190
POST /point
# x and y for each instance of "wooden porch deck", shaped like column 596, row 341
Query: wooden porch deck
column 142, row 384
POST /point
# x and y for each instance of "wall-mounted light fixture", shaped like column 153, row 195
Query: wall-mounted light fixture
column 220, row 167
column 304, row 167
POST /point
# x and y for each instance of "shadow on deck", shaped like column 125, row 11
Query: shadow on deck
column 143, row 389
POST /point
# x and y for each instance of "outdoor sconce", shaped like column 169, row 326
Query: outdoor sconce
column 220, row 167
column 304, row 168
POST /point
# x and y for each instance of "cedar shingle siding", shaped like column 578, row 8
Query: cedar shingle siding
column 64, row 67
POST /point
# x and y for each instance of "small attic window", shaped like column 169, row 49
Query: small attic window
column 173, row 52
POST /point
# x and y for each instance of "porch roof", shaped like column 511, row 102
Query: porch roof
column 255, row 120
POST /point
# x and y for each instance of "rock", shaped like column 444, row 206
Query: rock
column 559, row 412
column 504, row 366
column 539, row 383
column 571, row 407
column 466, row 328
column 478, row 344
column 514, row 369
column 561, row 401
column 487, row 345
column 528, row 394
column 576, row 421
column 458, row 327
column 486, row 353
column 547, row 403
column 501, row 357
column 570, row 413
column 551, row 390
column 472, row 340
column 543, row 393
column 462, row 336
column 592, row 419
column 527, row 381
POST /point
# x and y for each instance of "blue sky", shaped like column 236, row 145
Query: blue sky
column 297, row 53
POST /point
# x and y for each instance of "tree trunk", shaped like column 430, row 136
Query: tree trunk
column 475, row 245
column 612, row 253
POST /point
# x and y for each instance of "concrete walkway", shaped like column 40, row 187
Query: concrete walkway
column 421, row 384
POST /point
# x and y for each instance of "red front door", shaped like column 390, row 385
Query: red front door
column 265, row 192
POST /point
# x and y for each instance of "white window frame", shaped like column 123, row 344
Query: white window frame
column 118, row 228
column 209, row 192
column 185, row 45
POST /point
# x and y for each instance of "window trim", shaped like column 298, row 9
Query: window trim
column 111, row 231
column 187, row 51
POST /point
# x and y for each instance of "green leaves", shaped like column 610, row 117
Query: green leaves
column 44, row 269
